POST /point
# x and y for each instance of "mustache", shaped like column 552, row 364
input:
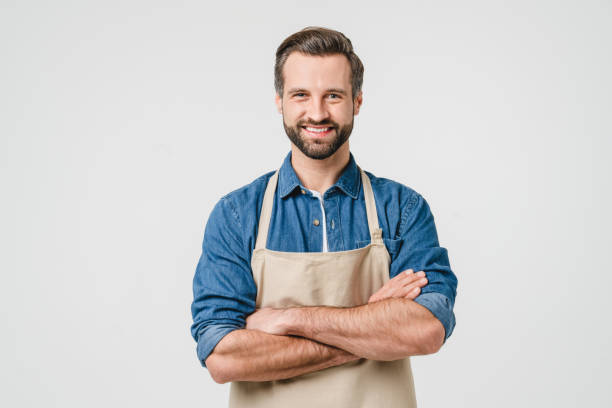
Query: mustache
column 327, row 123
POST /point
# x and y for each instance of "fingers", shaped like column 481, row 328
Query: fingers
column 410, row 278
column 390, row 286
column 405, row 284
column 411, row 291
column 404, row 278
column 399, row 281
column 412, row 288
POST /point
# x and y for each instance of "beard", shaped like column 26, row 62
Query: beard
column 318, row 149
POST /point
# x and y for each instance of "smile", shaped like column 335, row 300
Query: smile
column 318, row 131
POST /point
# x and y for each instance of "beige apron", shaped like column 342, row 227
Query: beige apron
column 343, row 279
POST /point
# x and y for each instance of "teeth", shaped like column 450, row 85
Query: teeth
column 317, row 130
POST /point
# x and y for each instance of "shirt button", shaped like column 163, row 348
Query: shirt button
column 303, row 192
column 316, row 222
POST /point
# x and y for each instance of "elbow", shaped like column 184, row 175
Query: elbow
column 218, row 369
column 428, row 338
column 433, row 337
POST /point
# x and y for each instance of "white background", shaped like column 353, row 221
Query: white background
column 123, row 122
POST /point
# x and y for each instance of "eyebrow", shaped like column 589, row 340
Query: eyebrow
column 335, row 90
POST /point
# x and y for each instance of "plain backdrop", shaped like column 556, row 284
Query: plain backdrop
column 123, row 122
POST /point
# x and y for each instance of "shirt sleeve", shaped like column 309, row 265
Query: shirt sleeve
column 439, row 305
column 421, row 251
column 223, row 288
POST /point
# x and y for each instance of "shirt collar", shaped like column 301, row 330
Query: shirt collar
column 349, row 181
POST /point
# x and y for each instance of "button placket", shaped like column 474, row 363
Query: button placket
column 316, row 236
column 334, row 237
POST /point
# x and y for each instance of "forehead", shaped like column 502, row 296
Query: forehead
column 316, row 71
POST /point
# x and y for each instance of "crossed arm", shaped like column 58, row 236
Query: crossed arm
column 390, row 326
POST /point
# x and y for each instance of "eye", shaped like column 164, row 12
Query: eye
column 334, row 96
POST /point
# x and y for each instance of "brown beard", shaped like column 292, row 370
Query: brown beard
column 318, row 150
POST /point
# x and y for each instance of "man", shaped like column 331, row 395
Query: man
column 305, row 293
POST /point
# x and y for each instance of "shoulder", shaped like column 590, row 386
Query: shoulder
column 239, row 209
column 396, row 202
column 387, row 190
column 249, row 194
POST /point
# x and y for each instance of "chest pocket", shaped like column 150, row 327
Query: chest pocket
column 393, row 245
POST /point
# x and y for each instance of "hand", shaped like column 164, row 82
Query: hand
column 267, row 319
column 406, row 284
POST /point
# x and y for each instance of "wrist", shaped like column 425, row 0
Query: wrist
column 292, row 321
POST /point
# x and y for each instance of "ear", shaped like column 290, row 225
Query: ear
column 357, row 103
column 279, row 103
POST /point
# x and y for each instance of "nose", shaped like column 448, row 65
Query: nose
column 317, row 111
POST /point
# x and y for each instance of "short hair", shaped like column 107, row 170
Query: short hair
column 318, row 41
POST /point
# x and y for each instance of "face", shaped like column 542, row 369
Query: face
column 317, row 103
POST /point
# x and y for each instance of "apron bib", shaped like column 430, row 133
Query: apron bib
column 341, row 279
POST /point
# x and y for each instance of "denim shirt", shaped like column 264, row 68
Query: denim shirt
column 223, row 287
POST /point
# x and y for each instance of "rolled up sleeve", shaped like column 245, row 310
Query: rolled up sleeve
column 208, row 338
column 223, row 288
column 440, row 306
column 421, row 251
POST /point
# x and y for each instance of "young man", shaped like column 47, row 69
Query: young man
column 306, row 292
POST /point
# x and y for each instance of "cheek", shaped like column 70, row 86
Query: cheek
column 292, row 113
column 344, row 113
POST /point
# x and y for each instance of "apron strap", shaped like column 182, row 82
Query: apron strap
column 266, row 212
column 268, row 202
column 370, row 203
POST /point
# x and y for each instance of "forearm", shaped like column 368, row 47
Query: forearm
column 252, row 355
column 386, row 330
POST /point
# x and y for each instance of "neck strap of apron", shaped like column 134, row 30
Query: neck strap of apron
column 268, row 202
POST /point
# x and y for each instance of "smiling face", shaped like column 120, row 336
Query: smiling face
column 317, row 103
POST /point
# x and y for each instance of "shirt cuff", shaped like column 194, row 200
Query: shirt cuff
column 441, row 307
column 209, row 337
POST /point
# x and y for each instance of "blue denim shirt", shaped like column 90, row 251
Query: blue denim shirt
column 223, row 287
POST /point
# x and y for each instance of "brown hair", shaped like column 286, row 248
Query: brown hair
column 318, row 41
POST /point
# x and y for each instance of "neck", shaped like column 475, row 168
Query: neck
column 319, row 175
